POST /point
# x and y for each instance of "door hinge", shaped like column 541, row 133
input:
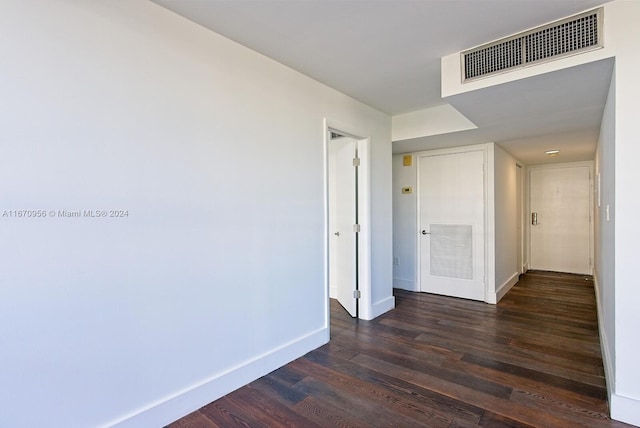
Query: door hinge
column 356, row 294
column 356, row 228
column 356, row 161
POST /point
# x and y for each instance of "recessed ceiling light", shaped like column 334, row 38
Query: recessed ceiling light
column 552, row 152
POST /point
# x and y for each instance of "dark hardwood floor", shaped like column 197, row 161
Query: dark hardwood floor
column 532, row 360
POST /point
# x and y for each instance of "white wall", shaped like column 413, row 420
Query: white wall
column 405, row 232
column 381, row 208
column 604, row 231
column 505, row 198
column 500, row 223
column 217, row 275
column 621, row 26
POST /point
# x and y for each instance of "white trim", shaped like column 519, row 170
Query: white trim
column 489, row 221
column 625, row 409
column 494, row 298
column 520, row 195
column 607, row 361
column 591, row 207
column 560, row 165
column 622, row 408
column 381, row 307
column 365, row 307
column 325, row 250
column 406, row 284
column 185, row 401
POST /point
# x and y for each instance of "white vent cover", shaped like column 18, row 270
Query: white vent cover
column 451, row 252
column 569, row 36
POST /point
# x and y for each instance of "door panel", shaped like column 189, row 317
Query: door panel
column 452, row 224
column 560, row 201
column 342, row 217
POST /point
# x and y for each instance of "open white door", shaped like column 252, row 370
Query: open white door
column 451, row 226
column 343, row 244
column 560, row 203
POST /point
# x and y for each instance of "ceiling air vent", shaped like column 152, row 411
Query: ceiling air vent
column 569, row 36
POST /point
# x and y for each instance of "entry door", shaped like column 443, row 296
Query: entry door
column 343, row 261
column 451, row 228
column 560, row 219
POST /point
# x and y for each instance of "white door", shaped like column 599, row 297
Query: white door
column 343, row 244
column 560, row 204
column 451, row 226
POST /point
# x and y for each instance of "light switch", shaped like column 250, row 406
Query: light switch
column 407, row 160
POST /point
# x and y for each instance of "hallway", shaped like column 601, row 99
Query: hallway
column 532, row 360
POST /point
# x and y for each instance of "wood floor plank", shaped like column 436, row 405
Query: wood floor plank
column 361, row 407
column 383, row 400
column 326, row 415
column 548, row 379
column 490, row 419
column 426, row 399
column 194, row 420
column 278, row 391
column 538, row 383
column 271, row 412
column 500, row 405
column 226, row 413
column 532, row 360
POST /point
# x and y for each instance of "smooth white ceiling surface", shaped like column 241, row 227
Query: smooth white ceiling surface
column 559, row 110
column 385, row 53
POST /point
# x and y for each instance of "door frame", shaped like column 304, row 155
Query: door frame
column 487, row 211
column 365, row 308
column 521, row 173
column 591, row 203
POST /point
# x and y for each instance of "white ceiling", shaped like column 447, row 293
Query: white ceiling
column 387, row 55
column 560, row 110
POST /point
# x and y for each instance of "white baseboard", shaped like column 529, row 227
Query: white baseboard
column 379, row 308
column 405, row 284
column 625, row 409
column 494, row 298
column 525, row 268
column 607, row 361
column 191, row 398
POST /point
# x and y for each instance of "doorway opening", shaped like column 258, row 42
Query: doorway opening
column 347, row 220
